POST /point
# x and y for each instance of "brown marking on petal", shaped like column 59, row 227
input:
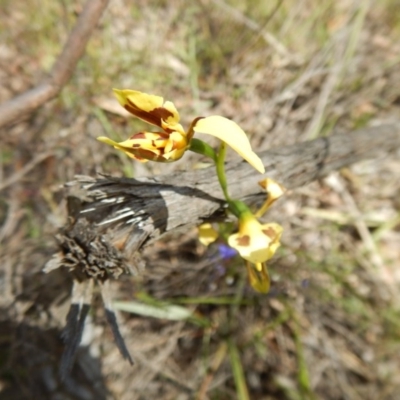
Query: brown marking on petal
column 141, row 159
column 270, row 232
column 153, row 117
column 147, row 154
column 243, row 240
column 190, row 131
column 136, row 146
column 153, row 156
column 139, row 135
column 169, row 130
column 263, row 184
column 161, row 135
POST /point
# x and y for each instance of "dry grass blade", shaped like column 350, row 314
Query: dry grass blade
column 25, row 170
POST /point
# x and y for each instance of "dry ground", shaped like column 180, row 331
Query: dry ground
column 286, row 71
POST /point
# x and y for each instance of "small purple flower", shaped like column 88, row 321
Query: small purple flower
column 226, row 252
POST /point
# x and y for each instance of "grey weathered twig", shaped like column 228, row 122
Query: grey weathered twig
column 63, row 68
column 165, row 203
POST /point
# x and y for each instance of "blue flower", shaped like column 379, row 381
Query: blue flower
column 226, row 252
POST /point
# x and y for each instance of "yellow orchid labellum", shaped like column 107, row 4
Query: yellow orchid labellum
column 171, row 144
column 256, row 242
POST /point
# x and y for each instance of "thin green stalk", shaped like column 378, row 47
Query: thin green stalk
column 238, row 208
column 220, row 164
column 214, row 301
column 238, row 373
column 303, row 377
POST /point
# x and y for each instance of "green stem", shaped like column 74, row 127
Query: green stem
column 238, row 208
column 200, row 147
column 238, row 373
column 220, row 164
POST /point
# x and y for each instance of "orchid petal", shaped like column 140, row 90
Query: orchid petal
column 154, row 146
column 207, row 234
column 230, row 133
column 274, row 191
column 122, row 146
column 149, row 108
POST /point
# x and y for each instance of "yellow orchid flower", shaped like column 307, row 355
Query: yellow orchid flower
column 164, row 146
column 256, row 242
column 171, row 144
column 154, row 146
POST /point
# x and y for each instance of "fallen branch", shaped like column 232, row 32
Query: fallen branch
column 63, row 68
column 162, row 204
